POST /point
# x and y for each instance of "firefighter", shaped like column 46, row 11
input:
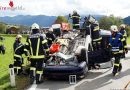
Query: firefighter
column 19, row 49
column 38, row 48
column 92, row 27
column 96, row 37
column 50, row 37
column 2, row 47
column 124, row 33
column 116, row 44
column 75, row 18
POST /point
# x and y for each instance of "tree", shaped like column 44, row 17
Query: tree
column 2, row 27
column 128, row 30
column 106, row 21
column 61, row 19
column 103, row 22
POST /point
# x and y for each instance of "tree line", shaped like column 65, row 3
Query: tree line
column 105, row 22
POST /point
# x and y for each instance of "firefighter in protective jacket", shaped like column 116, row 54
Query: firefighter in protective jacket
column 2, row 47
column 75, row 18
column 19, row 49
column 38, row 48
column 50, row 37
column 96, row 37
column 116, row 44
column 124, row 33
column 92, row 28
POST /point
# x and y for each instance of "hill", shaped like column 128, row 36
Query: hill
column 28, row 20
column 127, row 20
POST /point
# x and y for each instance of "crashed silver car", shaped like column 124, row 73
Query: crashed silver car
column 65, row 62
column 76, row 57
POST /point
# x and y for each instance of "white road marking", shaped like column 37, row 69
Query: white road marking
column 33, row 87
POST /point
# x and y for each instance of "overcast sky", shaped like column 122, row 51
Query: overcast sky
column 64, row 7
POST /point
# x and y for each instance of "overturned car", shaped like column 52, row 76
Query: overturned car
column 75, row 56
column 65, row 63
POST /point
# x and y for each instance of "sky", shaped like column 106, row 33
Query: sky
column 64, row 7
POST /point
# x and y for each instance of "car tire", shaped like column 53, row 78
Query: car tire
column 84, row 58
column 83, row 55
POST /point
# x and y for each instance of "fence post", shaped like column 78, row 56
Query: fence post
column 12, row 75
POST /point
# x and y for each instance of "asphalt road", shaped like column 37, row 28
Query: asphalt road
column 95, row 80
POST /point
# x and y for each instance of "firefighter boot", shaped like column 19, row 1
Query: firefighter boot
column 32, row 75
column 115, row 71
column 32, row 79
column 19, row 70
column 120, row 68
column 39, row 78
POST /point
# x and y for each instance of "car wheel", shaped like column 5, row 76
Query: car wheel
column 83, row 55
column 84, row 58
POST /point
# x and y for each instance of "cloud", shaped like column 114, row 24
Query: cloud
column 64, row 7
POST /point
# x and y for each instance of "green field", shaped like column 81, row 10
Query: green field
column 6, row 59
column 128, row 40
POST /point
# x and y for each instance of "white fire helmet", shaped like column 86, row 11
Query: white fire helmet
column 19, row 36
column 35, row 26
column 122, row 25
column 50, row 29
column 114, row 28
